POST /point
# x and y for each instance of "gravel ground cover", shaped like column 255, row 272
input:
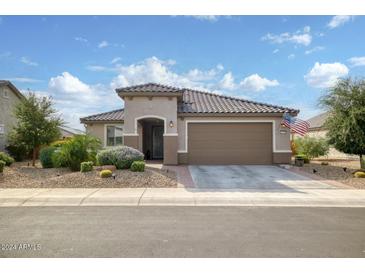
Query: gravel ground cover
column 335, row 172
column 23, row 176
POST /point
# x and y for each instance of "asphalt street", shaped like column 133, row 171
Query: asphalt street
column 182, row 232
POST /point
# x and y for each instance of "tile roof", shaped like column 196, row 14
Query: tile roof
column 114, row 115
column 318, row 121
column 206, row 102
column 194, row 101
column 150, row 87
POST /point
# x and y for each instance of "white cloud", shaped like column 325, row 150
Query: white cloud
column 81, row 39
column 315, row 49
column 103, row 44
column 325, row 75
column 300, row 37
column 28, row 62
column 159, row 71
column 275, row 51
column 357, row 61
column 24, row 80
column 68, row 91
column 101, row 68
column 255, row 82
column 291, row 56
column 339, row 20
column 115, row 60
column 210, row 18
column 227, row 82
column 5, row 54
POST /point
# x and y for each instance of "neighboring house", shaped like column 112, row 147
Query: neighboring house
column 318, row 130
column 69, row 132
column 185, row 126
column 10, row 96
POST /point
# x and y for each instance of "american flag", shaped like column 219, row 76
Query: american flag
column 298, row 126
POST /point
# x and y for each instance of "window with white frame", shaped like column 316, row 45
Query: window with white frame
column 2, row 129
column 114, row 135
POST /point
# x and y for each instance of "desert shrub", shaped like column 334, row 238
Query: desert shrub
column 311, row 147
column 6, row 158
column 2, row 165
column 86, row 166
column 59, row 159
column 302, row 157
column 106, row 173
column 138, row 166
column 359, row 174
column 79, row 149
column 18, row 151
column 45, row 156
column 122, row 157
column 60, row 143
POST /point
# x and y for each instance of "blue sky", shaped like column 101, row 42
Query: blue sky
column 79, row 60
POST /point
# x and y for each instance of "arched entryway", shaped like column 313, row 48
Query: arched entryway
column 152, row 131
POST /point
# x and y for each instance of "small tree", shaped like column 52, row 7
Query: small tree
column 346, row 122
column 311, row 147
column 37, row 123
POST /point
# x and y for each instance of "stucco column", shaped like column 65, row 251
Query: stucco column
column 170, row 149
column 131, row 141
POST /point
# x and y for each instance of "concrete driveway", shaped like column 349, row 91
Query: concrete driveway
column 251, row 177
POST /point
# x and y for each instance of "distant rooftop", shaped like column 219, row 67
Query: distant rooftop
column 317, row 122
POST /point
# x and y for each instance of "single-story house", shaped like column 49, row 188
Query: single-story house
column 185, row 126
column 10, row 96
column 318, row 130
column 67, row 132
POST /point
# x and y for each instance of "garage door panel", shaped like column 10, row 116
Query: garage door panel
column 230, row 143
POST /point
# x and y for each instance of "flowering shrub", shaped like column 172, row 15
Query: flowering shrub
column 122, row 157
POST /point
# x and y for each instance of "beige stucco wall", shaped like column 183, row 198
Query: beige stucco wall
column 7, row 106
column 98, row 130
column 136, row 107
column 282, row 141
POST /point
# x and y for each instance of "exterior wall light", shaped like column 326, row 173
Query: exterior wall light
column 171, row 124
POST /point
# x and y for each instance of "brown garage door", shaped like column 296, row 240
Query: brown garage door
column 230, row 143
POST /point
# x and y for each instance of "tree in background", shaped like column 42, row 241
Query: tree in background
column 346, row 122
column 311, row 147
column 37, row 123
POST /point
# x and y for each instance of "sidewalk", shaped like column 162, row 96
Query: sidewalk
column 180, row 197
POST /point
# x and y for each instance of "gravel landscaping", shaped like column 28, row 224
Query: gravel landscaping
column 20, row 176
column 335, row 172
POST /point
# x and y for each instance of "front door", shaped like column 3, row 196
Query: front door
column 157, row 142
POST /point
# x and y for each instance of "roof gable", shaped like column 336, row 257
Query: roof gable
column 318, row 121
column 12, row 87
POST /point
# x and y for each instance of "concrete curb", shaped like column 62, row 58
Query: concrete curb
column 181, row 197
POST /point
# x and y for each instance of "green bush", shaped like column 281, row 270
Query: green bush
column 2, row 165
column 311, row 147
column 45, row 156
column 359, row 174
column 18, row 151
column 137, row 166
column 106, row 173
column 86, row 166
column 59, row 159
column 6, row 158
column 60, row 143
column 121, row 157
column 302, row 157
column 79, row 149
